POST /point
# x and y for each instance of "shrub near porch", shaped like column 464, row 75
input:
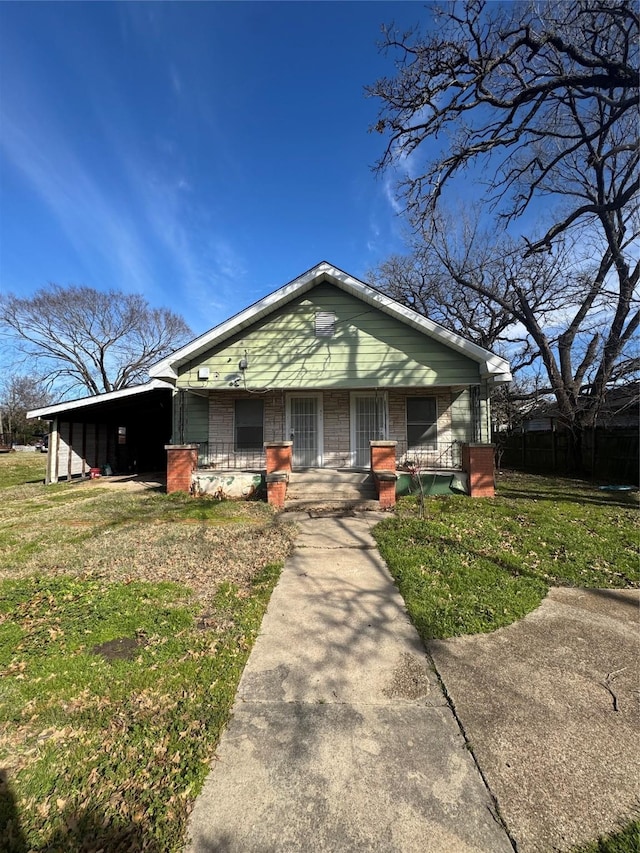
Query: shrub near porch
column 474, row 566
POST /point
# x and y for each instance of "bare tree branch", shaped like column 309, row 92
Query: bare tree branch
column 539, row 100
column 89, row 339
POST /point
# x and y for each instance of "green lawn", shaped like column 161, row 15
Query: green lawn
column 125, row 622
column 627, row 840
column 126, row 619
column 475, row 565
column 18, row 468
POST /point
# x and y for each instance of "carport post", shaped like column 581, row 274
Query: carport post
column 52, row 454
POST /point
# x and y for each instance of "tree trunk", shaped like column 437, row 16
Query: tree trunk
column 575, row 460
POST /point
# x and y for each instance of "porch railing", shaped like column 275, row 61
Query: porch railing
column 440, row 455
column 224, row 455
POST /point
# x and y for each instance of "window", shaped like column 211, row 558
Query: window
column 249, row 419
column 325, row 324
column 422, row 420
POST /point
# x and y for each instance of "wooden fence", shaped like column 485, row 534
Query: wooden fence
column 609, row 455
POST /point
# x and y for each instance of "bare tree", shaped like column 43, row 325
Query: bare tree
column 538, row 101
column 81, row 338
column 421, row 281
column 19, row 394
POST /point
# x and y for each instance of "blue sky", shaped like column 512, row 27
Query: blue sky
column 200, row 153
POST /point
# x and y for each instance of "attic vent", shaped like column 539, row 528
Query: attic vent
column 325, row 324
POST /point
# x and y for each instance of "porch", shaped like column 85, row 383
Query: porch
column 390, row 473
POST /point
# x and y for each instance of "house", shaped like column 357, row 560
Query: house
column 323, row 366
column 620, row 409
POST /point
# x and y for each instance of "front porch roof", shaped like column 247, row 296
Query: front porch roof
column 492, row 367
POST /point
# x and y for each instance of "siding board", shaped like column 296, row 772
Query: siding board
column 369, row 349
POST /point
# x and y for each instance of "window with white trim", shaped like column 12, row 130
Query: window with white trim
column 422, row 422
column 249, row 424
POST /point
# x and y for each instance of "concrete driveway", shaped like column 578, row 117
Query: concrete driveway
column 550, row 708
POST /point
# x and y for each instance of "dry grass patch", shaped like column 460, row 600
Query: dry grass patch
column 124, row 535
column 126, row 618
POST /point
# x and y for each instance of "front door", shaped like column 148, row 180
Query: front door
column 304, row 423
column 368, row 423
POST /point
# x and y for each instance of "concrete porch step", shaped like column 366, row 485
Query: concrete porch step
column 331, row 494
column 331, row 488
column 320, row 506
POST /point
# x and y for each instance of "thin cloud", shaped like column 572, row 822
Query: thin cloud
column 91, row 222
column 209, row 270
column 389, row 188
column 144, row 219
column 176, row 82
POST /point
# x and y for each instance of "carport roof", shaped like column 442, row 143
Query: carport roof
column 51, row 411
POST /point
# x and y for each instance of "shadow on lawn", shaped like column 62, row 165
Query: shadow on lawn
column 81, row 831
column 628, row 500
column 522, row 571
column 10, row 828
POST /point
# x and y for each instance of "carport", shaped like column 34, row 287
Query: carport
column 125, row 431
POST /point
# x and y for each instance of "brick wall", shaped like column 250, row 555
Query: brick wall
column 274, row 417
column 221, row 418
column 222, row 413
column 398, row 412
column 337, row 420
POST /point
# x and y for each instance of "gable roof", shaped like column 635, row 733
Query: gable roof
column 491, row 366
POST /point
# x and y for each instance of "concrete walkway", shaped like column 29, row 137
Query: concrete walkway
column 341, row 738
column 550, row 705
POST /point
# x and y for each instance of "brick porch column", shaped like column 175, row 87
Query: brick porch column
column 383, row 468
column 278, row 456
column 182, row 461
column 478, row 460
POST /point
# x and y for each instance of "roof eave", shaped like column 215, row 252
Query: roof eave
column 82, row 402
column 491, row 365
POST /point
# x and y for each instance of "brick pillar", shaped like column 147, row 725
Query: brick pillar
column 383, row 468
column 383, row 455
column 278, row 456
column 277, row 488
column 478, row 460
column 182, row 461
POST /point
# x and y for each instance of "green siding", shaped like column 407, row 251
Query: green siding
column 369, row 349
column 461, row 416
column 190, row 418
